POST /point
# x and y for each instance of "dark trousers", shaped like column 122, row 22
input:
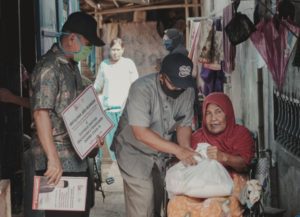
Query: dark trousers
column 88, row 204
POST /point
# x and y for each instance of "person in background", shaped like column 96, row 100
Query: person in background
column 174, row 42
column 232, row 146
column 54, row 84
column 113, row 80
column 157, row 105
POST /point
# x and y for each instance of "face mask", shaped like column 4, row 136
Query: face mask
column 171, row 93
column 168, row 43
column 83, row 53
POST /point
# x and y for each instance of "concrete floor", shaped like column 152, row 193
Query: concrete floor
column 113, row 204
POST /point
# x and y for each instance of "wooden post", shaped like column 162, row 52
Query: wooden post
column 5, row 206
column 99, row 19
column 187, row 29
column 139, row 16
column 195, row 9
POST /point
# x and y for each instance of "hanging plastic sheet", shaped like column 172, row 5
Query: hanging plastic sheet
column 275, row 46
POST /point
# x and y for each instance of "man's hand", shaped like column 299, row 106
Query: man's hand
column 94, row 152
column 100, row 142
column 186, row 155
column 54, row 170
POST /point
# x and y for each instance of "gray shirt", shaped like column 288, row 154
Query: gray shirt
column 148, row 106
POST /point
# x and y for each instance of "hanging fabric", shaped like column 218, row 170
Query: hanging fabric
column 193, row 45
column 229, row 49
column 213, row 80
column 275, row 46
column 205, row 40
column 217, row 54
column 211, row 53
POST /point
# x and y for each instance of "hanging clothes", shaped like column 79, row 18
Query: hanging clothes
column 229, row 49
column 275, row 46
column 213, row 80
column 207, row 49
column 193, row 45
column 211, row 53
column 198, row 35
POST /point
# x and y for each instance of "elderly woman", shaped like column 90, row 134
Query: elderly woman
column 231, row 145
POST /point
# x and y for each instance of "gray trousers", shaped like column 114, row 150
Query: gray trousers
column 143, row 197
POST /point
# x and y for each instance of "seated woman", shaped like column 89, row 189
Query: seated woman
column 232, row 146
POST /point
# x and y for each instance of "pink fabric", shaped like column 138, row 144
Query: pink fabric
column 235, row 139
column 229, row 49
column 275, row 46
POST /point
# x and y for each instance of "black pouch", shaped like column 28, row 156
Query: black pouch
column 239, row 28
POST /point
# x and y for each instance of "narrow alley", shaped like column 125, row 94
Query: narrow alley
column 165, row 76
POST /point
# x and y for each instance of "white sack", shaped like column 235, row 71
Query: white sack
column 207, row 179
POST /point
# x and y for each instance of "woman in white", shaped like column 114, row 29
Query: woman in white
column 114, row 78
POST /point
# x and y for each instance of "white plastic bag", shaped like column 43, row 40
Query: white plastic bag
column 207, row 179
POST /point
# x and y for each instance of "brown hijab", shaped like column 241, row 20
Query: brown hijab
column 235, row 139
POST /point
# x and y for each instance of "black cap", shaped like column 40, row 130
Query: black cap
column 178, row 68
column 84, row 24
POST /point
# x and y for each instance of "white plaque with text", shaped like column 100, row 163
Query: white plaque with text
column 69, row 194
column 85, row 121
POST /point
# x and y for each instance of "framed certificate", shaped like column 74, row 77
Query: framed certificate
column 85, row 120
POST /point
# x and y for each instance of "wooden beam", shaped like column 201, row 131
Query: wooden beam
column 91, row 3
column 146, row 8
column 116, row 3
column 143, row 2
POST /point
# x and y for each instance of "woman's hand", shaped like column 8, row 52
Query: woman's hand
column 214, row 153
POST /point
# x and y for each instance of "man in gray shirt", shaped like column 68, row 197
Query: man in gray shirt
column 157, row 105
